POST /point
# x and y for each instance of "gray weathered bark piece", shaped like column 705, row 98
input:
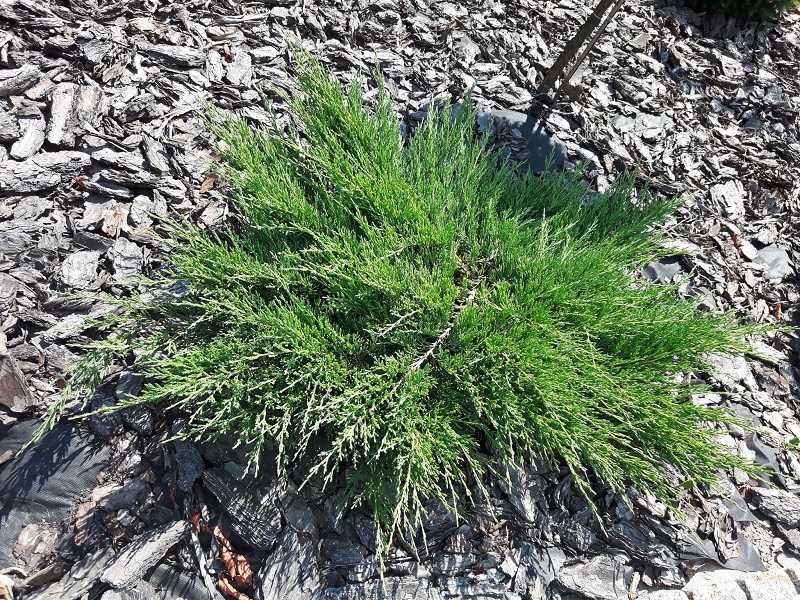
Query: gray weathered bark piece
column 405, row 588
column 15, row 81
column 60, row 130
column 291, row 572
column 130, row 565
column 173, row 55
column 251, row 505
column 9, row 127
column 14, row 392
column 80, row 580
column 30, row 140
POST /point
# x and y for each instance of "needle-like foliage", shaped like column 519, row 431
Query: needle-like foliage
column 420, row 307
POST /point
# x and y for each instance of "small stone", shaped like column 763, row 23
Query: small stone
column 777, row 260
column 36, row 543
column 365, row 530
column 114, row 497
column 16, row 81
column 133, row 561
column 335, row 510
column 664, row 271
column 9, row 127
column 251, row 503
column 129, row 385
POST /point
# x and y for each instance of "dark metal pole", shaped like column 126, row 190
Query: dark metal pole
column 572, row 46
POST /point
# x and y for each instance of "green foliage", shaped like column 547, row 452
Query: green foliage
column 762, row 10
column 420, row 308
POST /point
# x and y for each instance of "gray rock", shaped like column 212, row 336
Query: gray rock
column 138, row 418
column 791, row 534
column 140, row 209
column 716, row 584
column 439, row 523
column 782, row 506
column 190, row 465
column 394, row 588
column 108, row 189
column 528, row 583
column 641, row 543
column 777, row 260
column 291, row 572
column 239, row 71
column 572, row 532
column 173, row 55
column 128, row 385
column 66, row 162
column 341, row 551
column 36, row 542
column 541, row 145
column 647, row 126
column 105, row 424
column 132, row 161
column 92, row 241
column 603, row 577
column 664, row 271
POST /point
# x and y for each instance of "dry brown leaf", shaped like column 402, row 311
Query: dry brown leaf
column 209, row 182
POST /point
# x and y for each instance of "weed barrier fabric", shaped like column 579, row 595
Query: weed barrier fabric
column 45, row 483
